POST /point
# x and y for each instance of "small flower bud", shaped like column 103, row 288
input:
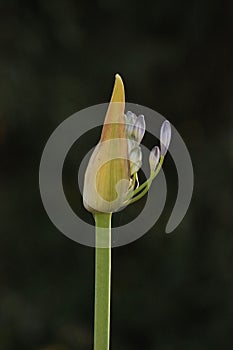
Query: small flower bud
column 154, row 158
column 139, row 128
column 165, row 137
column 130, row 119
column 135, row 157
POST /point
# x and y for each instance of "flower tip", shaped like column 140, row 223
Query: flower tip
column 115, row 112
column 118, row 94
column 165, row 137
column 117, row 76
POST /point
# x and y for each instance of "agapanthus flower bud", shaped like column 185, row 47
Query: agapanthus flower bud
column 135, row 126
column 135, row 157
column 154, row 158
column 116, row 157
column 107, row 177
column 135, row 130
column 111, row 179
column 139, row 128
column 130, row 119
column 165, row 137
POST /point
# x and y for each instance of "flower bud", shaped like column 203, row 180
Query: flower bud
column 165, row 137
column 154, row 158
column 107, row 177
column 130, row 119
column 139, row 128
column 135, row 157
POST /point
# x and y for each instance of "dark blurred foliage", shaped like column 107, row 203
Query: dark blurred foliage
column 59, row 56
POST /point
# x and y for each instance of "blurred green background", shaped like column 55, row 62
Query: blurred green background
column 168, row 291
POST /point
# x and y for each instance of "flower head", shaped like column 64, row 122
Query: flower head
column 111, row 179
column 116, row 157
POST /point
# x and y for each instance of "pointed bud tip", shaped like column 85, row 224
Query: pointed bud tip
column 115, row 112
column 117, row 76
column 118, row 94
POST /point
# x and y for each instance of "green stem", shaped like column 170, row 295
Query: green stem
column 143, row 189
column 140, row 195
column 102, row 281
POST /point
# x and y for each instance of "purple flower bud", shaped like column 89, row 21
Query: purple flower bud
column 154, row 158
column 139, row 129
column 165, row 137
column 135, row 157
column 130, row 119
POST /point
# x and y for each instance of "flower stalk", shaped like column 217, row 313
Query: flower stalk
column 102, row 281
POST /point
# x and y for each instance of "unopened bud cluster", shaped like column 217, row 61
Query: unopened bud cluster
column 111, row 180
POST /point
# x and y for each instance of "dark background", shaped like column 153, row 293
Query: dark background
column 168, row 291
